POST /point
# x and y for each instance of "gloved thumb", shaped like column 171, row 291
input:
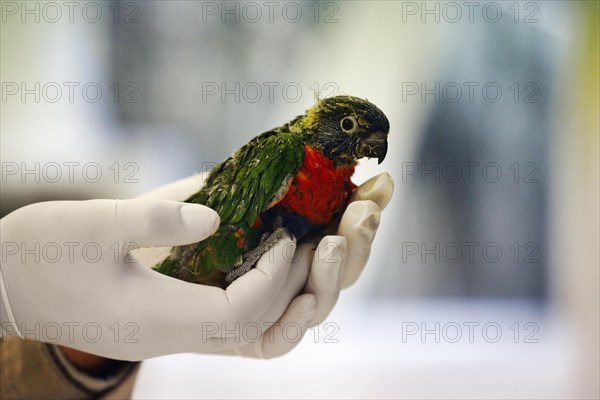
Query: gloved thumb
column 153, row 222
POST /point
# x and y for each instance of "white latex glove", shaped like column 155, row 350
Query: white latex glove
column 337, row 264
column 119, row 308
column 66, row 279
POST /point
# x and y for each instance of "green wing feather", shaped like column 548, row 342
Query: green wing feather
column 239, row 189
column 244, row 185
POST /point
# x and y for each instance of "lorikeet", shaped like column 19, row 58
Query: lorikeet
column 294, row 179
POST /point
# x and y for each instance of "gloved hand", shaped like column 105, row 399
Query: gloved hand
column 316, row 277
column 67, row 279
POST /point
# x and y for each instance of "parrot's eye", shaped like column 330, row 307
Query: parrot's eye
column 348, row 124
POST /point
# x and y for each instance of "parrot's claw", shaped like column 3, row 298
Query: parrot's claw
column 252, row 256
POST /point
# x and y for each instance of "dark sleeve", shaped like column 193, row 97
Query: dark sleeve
column 35, row 370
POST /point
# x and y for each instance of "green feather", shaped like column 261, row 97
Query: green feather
column 238, row 189
column 242, row 187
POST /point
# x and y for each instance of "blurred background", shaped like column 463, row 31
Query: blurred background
column 483, row 281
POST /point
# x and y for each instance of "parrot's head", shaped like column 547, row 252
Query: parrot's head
column 347, row 128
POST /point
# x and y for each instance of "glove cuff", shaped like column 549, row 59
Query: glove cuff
column 8, row 325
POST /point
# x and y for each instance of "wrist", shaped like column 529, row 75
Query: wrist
column 89, row 363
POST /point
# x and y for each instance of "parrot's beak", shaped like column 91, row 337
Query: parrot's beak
column 375, row 145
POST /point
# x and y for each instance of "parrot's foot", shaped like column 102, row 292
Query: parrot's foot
column 252, row 256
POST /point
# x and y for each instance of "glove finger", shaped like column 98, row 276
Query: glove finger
column 308, row 309
column 358, row 225
column 251, row 295
column 285, row 334
column 294, row 284
column 226, row 314
column 178, row 190
column 378, row 189
column 324, row 280
column 150, row 222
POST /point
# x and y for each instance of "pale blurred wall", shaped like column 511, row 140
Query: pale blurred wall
column 36, row 130
column 501, row 143
column 575, row 222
